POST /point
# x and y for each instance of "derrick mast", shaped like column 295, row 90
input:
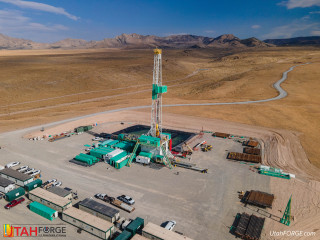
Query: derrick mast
column 157, row 90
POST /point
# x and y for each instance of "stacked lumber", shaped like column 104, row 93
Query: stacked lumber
column 244, row 157
column 249, row 227
column 254, row 151
column 260, row 199
column 221, row 135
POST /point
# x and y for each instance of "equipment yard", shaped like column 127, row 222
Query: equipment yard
column 159, row 193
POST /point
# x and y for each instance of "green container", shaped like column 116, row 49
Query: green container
column 14, row 194
column 83, row 159
column 32, row 185
column 110, row 144
column 79, row 129
column 125, row 235
column 43, row 210
column 146, row 154
column 105, row 142
column 121, row 136
column 118, row 157
column 119, row 165
column 148, row 140
column 135, row 226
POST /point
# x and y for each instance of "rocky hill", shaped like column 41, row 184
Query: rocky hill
column 138, row 41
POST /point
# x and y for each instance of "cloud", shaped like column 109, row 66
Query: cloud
column 12, row 22
column 288, row 31
column 290, row 4
column 255, row 26
column 40, row 7
column 315, row 33
column 314, row 12
column 209, row 31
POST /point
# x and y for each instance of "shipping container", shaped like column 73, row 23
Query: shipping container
column 79, row 129
column 14, row 194
column 148, row 140
column 125, row 235
column 30, row 186
column 146, row 154
column 120, row 164
column 43, row 210
column 105, row 142
column 143, row 160
column 119, row 157
column 113, row 142
column 113, row 153
column 135, row 226
column 83, row 159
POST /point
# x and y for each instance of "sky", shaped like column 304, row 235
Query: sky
column 54, row 20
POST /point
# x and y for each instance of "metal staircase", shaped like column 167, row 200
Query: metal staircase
column 133, row 153
column 167, row 161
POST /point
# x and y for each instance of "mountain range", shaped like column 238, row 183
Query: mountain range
column 151, row 41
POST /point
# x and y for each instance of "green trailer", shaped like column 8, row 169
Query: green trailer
column 83, row 159
column 43, row 210
column 32, row 185
column 14, row 194
column 125, row 235
column 135, row 226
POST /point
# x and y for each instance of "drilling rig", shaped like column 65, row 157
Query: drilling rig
column 157, row 90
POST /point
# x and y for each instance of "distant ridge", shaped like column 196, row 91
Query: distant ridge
column 135, row 41
column 298, row 41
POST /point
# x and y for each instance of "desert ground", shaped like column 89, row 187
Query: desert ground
column 39, row 88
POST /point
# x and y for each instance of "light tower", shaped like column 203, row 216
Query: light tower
column 157, row 90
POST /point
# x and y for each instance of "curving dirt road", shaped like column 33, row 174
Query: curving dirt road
column 282, row 94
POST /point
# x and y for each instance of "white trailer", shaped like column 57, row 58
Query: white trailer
column 113, row 154
column 143, row 160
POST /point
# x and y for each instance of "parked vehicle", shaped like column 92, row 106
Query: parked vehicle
column 29, row 170
column 14, row 203
column 56, row 184
column 52, row 180
column 89, row 149
column 12, row 164
column 97, row 139
column 100, row 196
column 23, row 168
column 126, row 199
column 170, row 225
column 36, row 172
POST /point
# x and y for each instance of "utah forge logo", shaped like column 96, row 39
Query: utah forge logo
column 7, row 230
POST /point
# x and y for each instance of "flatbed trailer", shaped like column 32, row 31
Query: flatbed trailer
column 122, row 205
